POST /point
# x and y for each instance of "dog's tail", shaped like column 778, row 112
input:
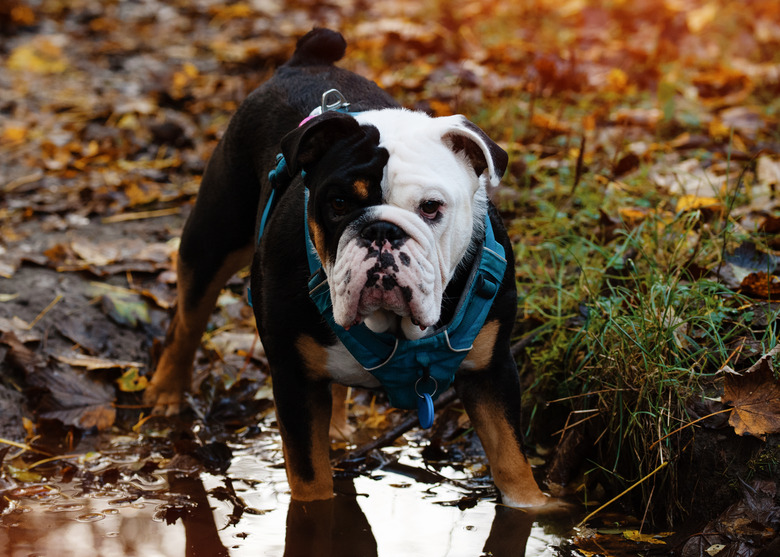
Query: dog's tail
column 319, row 46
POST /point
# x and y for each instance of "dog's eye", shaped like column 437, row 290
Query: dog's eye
column 339, row 206
column 430, row 208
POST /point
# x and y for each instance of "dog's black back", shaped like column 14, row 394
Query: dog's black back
column 242, row 160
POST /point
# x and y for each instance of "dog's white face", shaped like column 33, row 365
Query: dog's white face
column 397, row 199
column 394, row 261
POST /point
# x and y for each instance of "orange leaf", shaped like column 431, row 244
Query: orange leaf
column 755, row 396
column 761, row 285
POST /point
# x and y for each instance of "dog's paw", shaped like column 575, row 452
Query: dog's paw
column 165, row 400
column 341, row 431
column 539, row 503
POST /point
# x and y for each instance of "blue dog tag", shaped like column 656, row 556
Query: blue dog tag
column 425, row 410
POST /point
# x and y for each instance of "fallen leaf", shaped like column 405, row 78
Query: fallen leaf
column 74, row 399
column 132, row 381
column 243, row 344
column 637, row 536
column 755, row 396
column 23, row 475
column 91, row 363
column 41, row 55
column 20, row 329
column 692, row 202
column 550, row 123
column 19, row 356
column 123, row 306
column 761, row 285
column 633, row 216
column 743, row 261
column 91, row 336
column 768, row 170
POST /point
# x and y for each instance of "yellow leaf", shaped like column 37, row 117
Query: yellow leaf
column 632, row 216
column 128, row 122
column 636, row 536
column 234, row 11
column 617, row 80
column 549, row 122
column 23, row 475
column 14, row 134
column 718, row 130
column 190, row 70
column 42, row 55
column 131, row 381
column 692, row 202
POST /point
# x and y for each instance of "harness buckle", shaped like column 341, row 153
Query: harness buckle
column 339, row 103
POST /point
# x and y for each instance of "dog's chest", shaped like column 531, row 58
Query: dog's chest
column 344, row 369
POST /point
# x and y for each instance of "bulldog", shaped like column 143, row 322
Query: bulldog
column 377, row 260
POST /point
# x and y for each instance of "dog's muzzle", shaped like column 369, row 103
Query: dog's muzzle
column 382, row 272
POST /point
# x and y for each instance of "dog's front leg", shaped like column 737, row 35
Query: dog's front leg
column 491, row 394
column 303, row 409
column 198, row 289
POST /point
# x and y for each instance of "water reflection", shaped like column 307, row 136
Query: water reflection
column 249, row 513
column 340, row 528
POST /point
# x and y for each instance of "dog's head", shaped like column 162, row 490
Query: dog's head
column 396, row 198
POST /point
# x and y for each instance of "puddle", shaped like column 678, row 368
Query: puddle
column 382, row 512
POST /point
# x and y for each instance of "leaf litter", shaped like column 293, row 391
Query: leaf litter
column 110, row 112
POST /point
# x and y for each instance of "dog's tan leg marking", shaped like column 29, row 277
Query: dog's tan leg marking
column 482, row 352
column 173, row 376
column 511, row 472
column 340, row 430
column 320, row 486
column 315, row 357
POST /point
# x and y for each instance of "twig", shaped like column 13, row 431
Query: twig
column 54, row 459
column 575, row 424
column 585, row 394
column 591, row 515
column 390, row 436
column 45, row 311
column 688, row 425
column 23, row 181
column 140, row 215
column 23, row 446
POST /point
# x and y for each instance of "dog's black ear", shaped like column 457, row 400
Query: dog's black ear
column 304, row 146
column 483, row 153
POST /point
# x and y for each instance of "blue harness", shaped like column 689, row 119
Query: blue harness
column 412, row 372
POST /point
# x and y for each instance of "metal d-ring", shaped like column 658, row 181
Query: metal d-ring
column 435, row 385
column 341, row 101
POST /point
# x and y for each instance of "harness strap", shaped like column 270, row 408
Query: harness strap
column 399, row 364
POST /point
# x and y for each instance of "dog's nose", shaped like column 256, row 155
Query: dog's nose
column 379, row 231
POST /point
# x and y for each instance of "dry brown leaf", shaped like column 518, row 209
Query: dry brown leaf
column 73, row 398
column 755, row 396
